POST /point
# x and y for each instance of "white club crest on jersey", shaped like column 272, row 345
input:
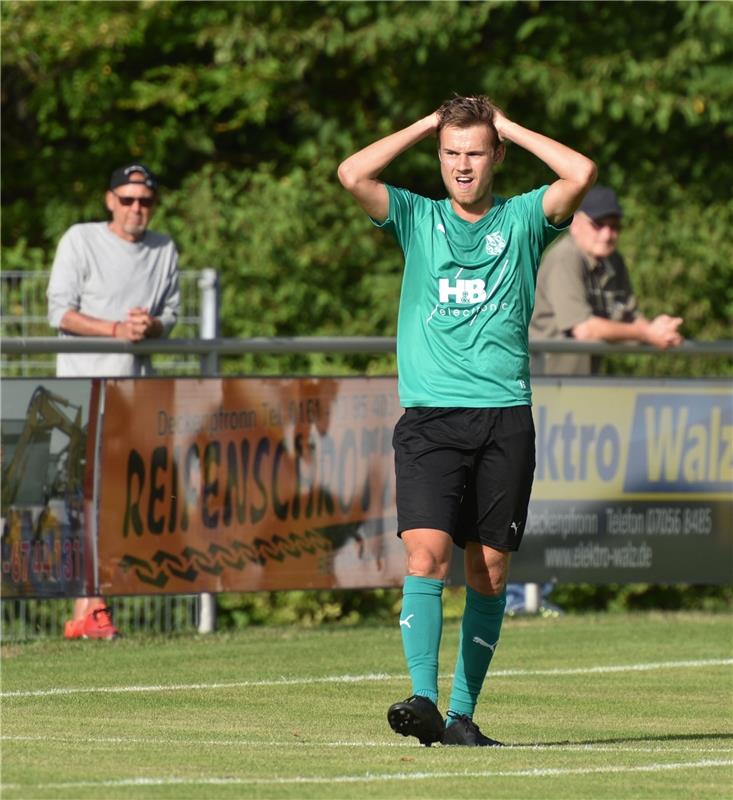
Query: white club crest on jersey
column 495, row 244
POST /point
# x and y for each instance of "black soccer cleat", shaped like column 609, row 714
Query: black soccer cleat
column 464, row 731
column 417, row 716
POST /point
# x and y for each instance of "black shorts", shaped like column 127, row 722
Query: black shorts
column 466, row 471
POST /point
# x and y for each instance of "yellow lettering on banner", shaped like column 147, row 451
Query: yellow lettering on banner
column 665, row 442
column 726, row 460
column 714, row 451
column 695, row 458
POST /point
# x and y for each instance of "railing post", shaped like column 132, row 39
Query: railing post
column 209, row 285
column 207, row 613
column 209, row 322
column 531, row 598
column 532, row 593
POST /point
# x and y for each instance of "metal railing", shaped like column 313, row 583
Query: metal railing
column 326, row 344
column 23, row 314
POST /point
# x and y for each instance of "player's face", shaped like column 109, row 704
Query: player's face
column 130, row 218
column 596, row 237
column 467, row 160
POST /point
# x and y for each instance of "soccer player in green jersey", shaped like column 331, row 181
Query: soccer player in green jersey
column 464, row 447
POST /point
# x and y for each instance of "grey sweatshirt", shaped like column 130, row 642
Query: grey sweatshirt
column 97, row 273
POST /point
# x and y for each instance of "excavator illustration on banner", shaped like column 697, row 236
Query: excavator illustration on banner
column 43, row 500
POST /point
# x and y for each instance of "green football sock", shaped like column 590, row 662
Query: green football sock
column 479, row 637
column 421, row 625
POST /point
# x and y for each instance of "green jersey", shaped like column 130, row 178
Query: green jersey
column 467, row 298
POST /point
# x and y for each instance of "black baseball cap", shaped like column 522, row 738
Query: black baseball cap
column 601, row 202
column 122, row 176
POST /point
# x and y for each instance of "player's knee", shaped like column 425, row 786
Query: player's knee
column 424, row 563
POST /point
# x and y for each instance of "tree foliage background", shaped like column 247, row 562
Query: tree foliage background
column 245, row 110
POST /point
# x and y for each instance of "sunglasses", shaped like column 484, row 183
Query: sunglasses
column 145, row 202
column 614, row 225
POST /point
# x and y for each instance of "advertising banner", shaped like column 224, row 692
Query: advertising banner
column 47, row 447
column 247, row 484
column 634, row 483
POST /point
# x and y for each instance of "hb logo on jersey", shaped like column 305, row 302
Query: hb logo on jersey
column 465, row 292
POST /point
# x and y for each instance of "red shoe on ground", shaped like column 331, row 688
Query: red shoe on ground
column 73, row 629
column 98, row 624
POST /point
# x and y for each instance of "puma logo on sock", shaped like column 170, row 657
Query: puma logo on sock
column 479, row 640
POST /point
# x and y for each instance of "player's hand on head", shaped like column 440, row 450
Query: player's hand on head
column 500, row 122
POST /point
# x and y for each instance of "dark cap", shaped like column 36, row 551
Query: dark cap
column 122, row 176
column 601, row 202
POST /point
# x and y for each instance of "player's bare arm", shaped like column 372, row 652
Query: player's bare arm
column 576, row 173
column 359, row 173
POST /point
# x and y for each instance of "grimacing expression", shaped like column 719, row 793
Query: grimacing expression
column 130, row 221
column 597, row 238
column 467, row 160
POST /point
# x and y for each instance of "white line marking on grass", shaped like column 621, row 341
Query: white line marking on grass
column 710, row 662
column 295, row 741
column 619, row 748
column 369, row 677
column 384, row 777
column 177, row 687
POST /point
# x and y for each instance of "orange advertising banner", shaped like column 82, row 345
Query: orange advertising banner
column 247, row 484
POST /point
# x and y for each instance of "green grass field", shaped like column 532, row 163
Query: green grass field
column 607, row 706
